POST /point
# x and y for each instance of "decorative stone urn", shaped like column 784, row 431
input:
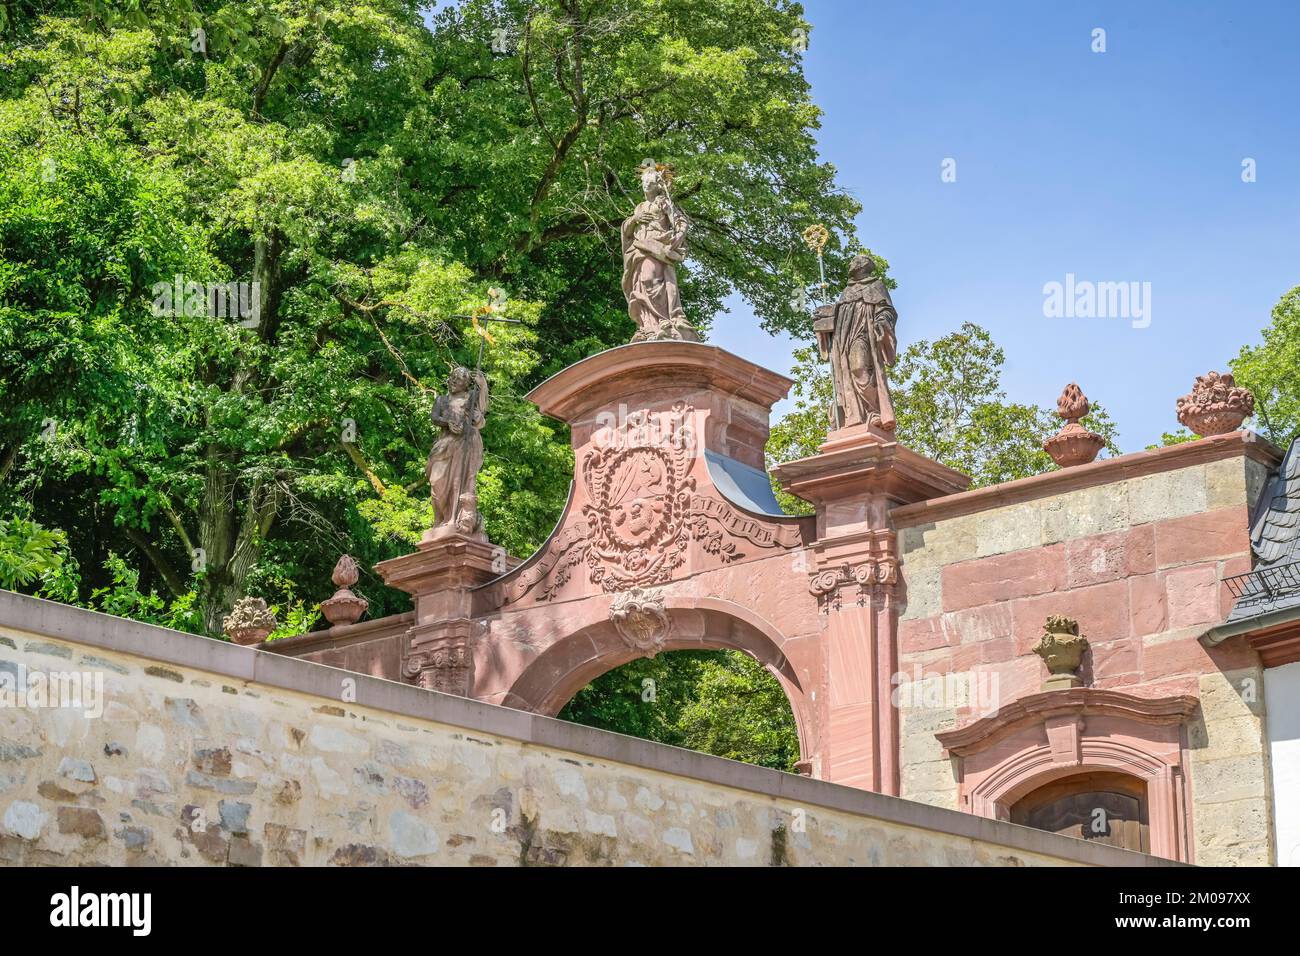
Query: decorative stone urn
column 345, row 607
column 1073, row 444
column 1216, row 405
column 1061, row 649
column 249, row 621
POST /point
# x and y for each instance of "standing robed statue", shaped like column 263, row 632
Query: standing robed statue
column 457, row 453
column 654, row 242
column 856, row 333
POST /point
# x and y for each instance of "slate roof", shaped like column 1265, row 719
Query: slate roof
column 743, row 485
column 1274, row 584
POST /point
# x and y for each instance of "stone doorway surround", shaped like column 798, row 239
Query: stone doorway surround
column 1054, row 735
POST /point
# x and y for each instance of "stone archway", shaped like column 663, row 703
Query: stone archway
column 671, row 524
column 551, row 680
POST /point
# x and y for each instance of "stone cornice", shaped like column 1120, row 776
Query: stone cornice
column 870, row 466
column 578, row 389
column 1106, row 471
column 1081, row 701
column 452, row 561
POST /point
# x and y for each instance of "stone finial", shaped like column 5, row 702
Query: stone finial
column 1061, row 648
column 1073, row 444
column 249, row 621
column 345, row 607
column 1216, row 405
column 641, row 620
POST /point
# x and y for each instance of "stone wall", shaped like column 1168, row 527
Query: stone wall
column 1135, row 549
column 203, row 753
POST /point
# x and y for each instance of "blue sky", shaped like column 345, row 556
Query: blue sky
column 1122, row 166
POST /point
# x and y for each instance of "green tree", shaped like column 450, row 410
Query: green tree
column 720, row 702
column 1271, row 370
column 27, row 552
column 369, row 177
column 739, row 711
column 644, row 697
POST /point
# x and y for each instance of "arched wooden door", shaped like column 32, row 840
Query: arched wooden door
column 1105, row 807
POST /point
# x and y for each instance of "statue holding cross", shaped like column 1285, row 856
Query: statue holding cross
column 856, row 333
column 457, row 455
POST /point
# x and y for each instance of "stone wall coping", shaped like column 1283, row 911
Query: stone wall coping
column 341, row 635
column 47, row 619
column 1106, row 471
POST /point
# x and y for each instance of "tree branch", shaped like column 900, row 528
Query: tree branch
column 259, row 98
column 175, row 583
column 359, row 460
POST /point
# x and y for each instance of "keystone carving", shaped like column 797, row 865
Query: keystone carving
column 641, row 620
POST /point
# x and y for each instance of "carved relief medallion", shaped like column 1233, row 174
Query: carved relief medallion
column 643, row 510
column 641, row 620
column 640, row 500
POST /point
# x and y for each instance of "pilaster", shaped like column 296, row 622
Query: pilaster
column 859, row 474
column 440, row 575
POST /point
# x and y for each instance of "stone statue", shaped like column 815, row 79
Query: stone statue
column 857, row 335
column 457, row 455
column 654, row 242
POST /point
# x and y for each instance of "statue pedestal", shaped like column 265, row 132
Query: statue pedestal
column 440, row 575
column 859, row 474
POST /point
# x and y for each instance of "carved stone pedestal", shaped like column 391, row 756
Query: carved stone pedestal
column 437, row 653
column 858, row 476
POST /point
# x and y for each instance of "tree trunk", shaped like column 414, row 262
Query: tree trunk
column 237, row 512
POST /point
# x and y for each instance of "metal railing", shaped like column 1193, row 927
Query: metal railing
column 1265, row 583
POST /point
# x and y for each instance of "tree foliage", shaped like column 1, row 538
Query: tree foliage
column 721, row 702
column 27, row 552
column 1271, row 370
column 370, row 176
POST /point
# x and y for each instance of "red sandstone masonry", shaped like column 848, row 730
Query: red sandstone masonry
column 1182, row 656
column 1115, row 663
column 1109, row 557
column 1106, row 471
column 1148, row 605
column 1193, row 595
column 1102, row 611
column 1002, row 577
column 1211, row 534
column 917, row 635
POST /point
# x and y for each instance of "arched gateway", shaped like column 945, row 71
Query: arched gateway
column 908, row 620
column 904, row 618
column 672, row 539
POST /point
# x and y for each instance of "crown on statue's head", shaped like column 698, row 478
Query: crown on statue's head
column 663, row 169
